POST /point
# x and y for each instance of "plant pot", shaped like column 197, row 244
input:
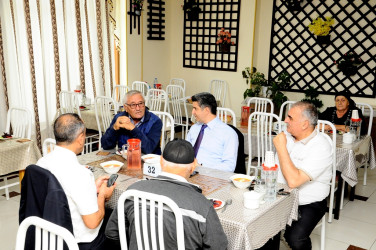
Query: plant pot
column 224, row 47
column 193, row 14
column 137, row 12
column 350, row 71
column 323, row 39
column 294, row 6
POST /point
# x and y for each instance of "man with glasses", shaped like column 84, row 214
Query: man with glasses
column 135, row 122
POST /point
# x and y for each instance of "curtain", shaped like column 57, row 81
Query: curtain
column 49, row 46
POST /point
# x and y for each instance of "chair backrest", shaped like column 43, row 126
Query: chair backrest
column 362, row 107
column 143, row 87
column 240, row 160
column 157, row 205
column 104, row 113
column 226, row 115
column 219, row 90
column 178, row 106
column 69, row 102
column 260, row 128
column 20, row 120
column 118, row 94
column 180, row 82
column 321, row 128
column 168, row 126
column 48, row 145
column 47, row 235
column 157, row 100
column 261, row 104
column 285, row 107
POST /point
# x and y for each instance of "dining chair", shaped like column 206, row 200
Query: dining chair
column 118, row 94
column 157, row 100
column 69, row 102
column 48, row 145
column 218, row 88
column 47, row 235
column 261, row 104
column 143, row 87
column 20, row 120
column 167, row 128
column 333, row 140
column 149, row 209
column 226, row 115
column 178, row 107
column 104, row 113
column 180, row 82
column 260, row 126
column 285, row 107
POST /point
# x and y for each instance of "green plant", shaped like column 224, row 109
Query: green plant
column 137, row 4
column 276, row 88
column 311, row 95
column 319, row 27
column 349, row 63
column 255, row 80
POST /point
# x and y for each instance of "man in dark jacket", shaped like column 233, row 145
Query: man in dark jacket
column 135, row 122
column 202, row 228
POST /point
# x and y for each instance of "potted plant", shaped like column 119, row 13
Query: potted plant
column 224, row 40
column 137, row 6
column 276, row 88
column 311, row 95
column 192, row 9
column 321, row 29
column 294, row 5
column 255, row 80
column 349, row 63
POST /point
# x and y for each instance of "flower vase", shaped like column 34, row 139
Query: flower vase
column 350, row 71
column 137, row 12
column 193, row 14
column 224, row 47
column 323, row 39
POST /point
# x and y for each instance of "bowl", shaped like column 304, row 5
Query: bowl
column 242, row 181
column 111, row 167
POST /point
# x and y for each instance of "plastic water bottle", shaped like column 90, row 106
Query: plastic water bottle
column 355, row 124
column 155, row 82
column 270, row 171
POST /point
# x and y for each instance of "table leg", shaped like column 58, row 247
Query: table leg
column 21, row 175
column 352, row 193
column 338, row 196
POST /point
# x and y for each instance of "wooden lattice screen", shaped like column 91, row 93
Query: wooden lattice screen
column 199, row 45
column 156, row 22
column 294, row 48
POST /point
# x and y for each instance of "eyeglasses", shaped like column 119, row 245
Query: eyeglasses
column 134, row 105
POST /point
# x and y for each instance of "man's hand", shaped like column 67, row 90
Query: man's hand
column 106, row 191
column 100, row 181
column 123, row 122
column 280, row 140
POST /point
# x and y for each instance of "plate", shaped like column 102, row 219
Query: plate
column 151, row 158
column 217, row 203
column 118, row 152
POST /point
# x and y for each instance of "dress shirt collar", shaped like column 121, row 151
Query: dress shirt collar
column 212, row 123
column 174, row 176
column 308, row 138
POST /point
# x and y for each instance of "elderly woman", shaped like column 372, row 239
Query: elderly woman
column 340, row 115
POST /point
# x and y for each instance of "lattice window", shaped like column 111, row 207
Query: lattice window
column 199, row 45
column 156, row 22
column 294, row 48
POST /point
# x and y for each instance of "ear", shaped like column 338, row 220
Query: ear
column 194, row 165
column 305, row 124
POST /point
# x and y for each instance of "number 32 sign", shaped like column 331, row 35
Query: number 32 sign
column 152, row 169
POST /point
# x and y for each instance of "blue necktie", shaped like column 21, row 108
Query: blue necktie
column 199, row 139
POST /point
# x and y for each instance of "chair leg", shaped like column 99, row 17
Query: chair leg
column 322, row 242
column 6, row 188
column 342, row 195
column 365, row 174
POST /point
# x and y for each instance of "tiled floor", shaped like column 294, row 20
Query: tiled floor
column 356, row 226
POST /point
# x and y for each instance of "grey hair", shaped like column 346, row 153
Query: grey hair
column 309, row 112
column 67, row 128
column 132, row 93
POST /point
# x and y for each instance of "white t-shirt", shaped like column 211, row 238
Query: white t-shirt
column 313, row 155
column 79, row 186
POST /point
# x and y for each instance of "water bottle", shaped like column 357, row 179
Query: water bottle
column 155, row 83
column 271, row 173
column 355, row 124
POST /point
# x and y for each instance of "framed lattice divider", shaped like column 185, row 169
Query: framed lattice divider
column 156, row 22
column 199, row 45
column 294, row 49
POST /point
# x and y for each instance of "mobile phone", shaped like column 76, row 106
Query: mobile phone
column 112, row 180
column 283, row 193
column 194, row 173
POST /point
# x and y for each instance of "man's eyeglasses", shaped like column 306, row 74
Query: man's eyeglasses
column 134, row 105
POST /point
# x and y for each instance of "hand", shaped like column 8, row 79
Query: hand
column 106, row 191
column 123, row 122
column 100, row 181
column 280, row 140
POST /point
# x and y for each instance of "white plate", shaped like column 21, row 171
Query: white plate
column 219, row 201
column 151, row 158
column 118, row 152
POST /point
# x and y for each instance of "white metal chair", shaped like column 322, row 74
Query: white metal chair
column 180, row 82
column 261, row 104
column 118, row 94
column 168, row 130
column 143, row 87
column 69, row 102
column 261, row 127
column 104, row 113
column 157, row 100
column 285, row 107
column 48, row 145
column 156, row 204
column 224, row 114
column 219, row 89
column 20, row 119
column 47, row 235
column 179, row 107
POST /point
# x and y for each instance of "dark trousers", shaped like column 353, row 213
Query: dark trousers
column 297, row 235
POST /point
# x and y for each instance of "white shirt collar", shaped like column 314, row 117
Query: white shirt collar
column 174, row 176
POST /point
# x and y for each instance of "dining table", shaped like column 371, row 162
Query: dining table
column 244, row 228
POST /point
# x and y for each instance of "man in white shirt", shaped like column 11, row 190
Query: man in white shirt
column 305, row 162
column 86, row 197
column 218, row 146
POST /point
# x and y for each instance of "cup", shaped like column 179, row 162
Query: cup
column 348, row 138
column 355, row 115
column 251, row 200
column 157, row 85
